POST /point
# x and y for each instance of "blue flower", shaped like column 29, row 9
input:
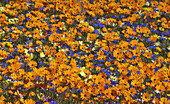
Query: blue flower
column 138, row 72
column 42, row 8
column 106, row 86
column 27, row 19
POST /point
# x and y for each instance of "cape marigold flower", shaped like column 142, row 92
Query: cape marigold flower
column 104, row 29
column 164, row 100
column 133, row 43
column 168, row 54
column 105, row 48
column 60, row 24
column 100, row 12
column 146, row 97
column 39, row 42
column 31, row 93
column 20, row 48
column 32, row 64
column 108, row 37
column 159, row 49
column 154, row 3
column 91, row 56
column 74, row 96
column 98, row 68
column 167, row 9
column 91, row 37
column 89, row 65
column 29, row 85
column 136, row 52
column 29, row 24
column 160, row 58
column 69, row 21
column 120, row 23
column 139, row 29
column 124, row 45
column 126, row 11
column 85, row 95
column 147, row 54
column 161, row 6
column 29, row 101
column 107, row 63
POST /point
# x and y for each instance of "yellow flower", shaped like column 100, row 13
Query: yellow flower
column 111, row 68
column 161, row 29
column 168, row 95
column 42, row 54
column 1, row 58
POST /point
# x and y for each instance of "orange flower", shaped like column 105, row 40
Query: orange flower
column 91, row 56
column 124, row 45
column 147, row 54
column 136, row 52
column 87, row 72
column 69, row 21
column 160, row 58
column 89, row 65
column 126, row 11
column 154, row 3
column 168, row 54
column 20, row 48
column 31, row 93
column 91, row 37
column 85, row 95
column 107, row 63
column 29, row 85
column 60, row 24
column 100, row 12
column 108, row 37
column 161, row 6
column 61, row 89
column 164, row 100
column 146, row 97
column 104, row 29
column 29, row 24
column 133, row 43
column 39, row 42
column 159, row 49
column 167, row 9
column 98, row 68
column 139, row 29
column 105, row 48
column 82, row 47
column 74, row 96
column 132, row 91
column 32, row 64
column 120, row 23
column 29, row 101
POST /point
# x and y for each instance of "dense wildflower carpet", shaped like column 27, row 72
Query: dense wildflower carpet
column 81, row 52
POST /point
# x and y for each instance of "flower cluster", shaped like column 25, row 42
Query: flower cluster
column 69, row 51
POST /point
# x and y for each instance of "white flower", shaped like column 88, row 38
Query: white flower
column 21, row 96
column 1, row 8
column 80, row 42
column 168, row 47
column 82, row 74
column 157, row 91
column 82, row 21
column 147, row 4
